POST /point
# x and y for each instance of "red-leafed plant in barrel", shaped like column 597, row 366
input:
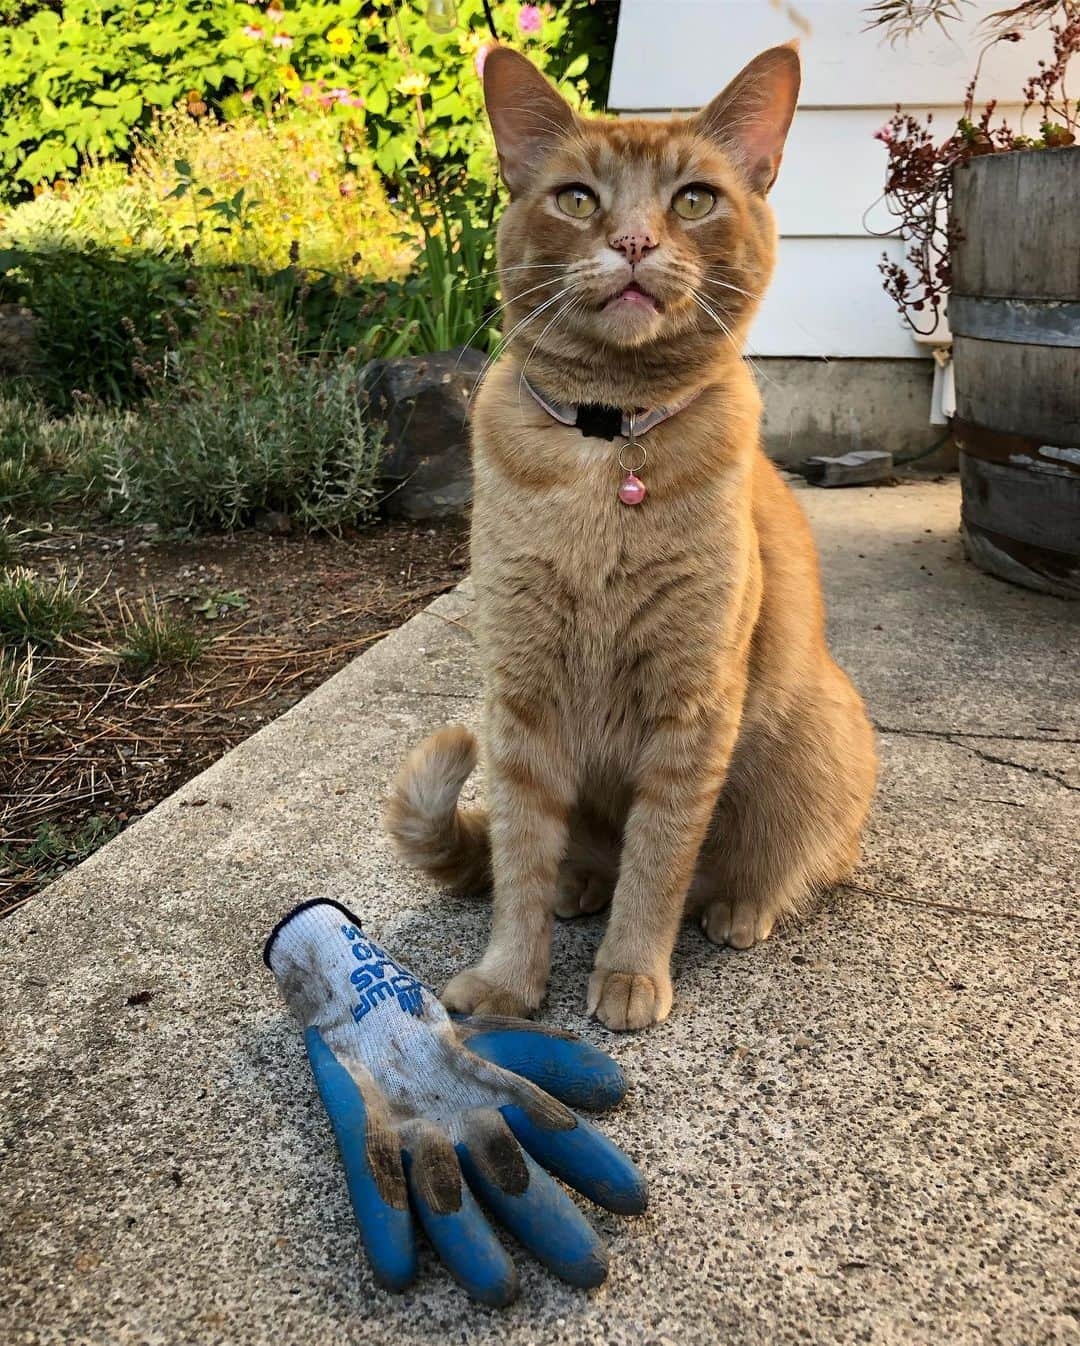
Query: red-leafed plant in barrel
column 918, row 183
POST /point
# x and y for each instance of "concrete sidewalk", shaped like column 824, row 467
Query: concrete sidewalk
column 863, row 1131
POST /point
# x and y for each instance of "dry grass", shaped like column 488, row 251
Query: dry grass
column 90, row 744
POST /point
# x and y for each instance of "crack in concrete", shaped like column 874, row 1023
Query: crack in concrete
column 955, row 738
column 947, row 735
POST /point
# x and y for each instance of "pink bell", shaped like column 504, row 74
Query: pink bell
column 632, row 491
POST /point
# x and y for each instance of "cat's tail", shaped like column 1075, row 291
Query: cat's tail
column 450, row 844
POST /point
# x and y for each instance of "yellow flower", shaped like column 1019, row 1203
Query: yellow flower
column 127, row 241
column 425, row 171
column 338, row 38
column 413, row 83
column 289, row 77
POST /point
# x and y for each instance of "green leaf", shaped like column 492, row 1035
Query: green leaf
column 377, row 100
column 387, row 159
column 161, row 95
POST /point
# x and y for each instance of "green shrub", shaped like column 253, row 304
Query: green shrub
column 295, row 444
column 153, row 637
column 242, row 423
column 106, row 207
column 38, row 455
column 255, row 191
column 102, row 316
column 46, row 460
column 31, row 458
column 264, row 193
column 39, row 611
column 79, row 77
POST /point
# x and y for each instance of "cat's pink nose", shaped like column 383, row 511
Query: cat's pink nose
column 633, row 246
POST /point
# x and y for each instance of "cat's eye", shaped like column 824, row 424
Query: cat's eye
column 693, row 202
column 576, row 201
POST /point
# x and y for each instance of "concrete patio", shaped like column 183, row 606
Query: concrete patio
column 864, row 1131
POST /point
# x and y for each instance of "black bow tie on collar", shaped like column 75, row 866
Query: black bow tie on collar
column 596, row 421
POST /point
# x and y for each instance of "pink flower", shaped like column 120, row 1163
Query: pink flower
column 356, row 102
column 325, row 100
column 248, row 96
column 307, row 90
column 884, row 134
column 341, row 95
column 281, row 40
column 275, row 13
column 530, row 18
column 313, row 175
column 480, row 57
column 254, row 32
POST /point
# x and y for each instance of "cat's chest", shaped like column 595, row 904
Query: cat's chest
column 591, row 573
column 558, row 551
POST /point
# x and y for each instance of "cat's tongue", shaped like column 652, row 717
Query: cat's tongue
column 636, row 297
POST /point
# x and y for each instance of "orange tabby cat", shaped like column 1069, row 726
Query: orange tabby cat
column 665, row 729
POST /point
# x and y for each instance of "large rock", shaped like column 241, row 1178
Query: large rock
column 18, row 340
column 423, row 402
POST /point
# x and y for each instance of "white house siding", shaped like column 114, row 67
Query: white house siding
column 826, row 301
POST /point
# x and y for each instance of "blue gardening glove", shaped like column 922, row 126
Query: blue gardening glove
column 432, row 1113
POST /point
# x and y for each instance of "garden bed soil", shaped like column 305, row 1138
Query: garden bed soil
column 100, row 744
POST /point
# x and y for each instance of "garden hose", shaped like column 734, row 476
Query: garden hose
column 924, row 453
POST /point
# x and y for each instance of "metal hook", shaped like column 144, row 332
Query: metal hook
column 632, row 443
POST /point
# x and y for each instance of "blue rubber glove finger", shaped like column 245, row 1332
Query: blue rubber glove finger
column 466, row 1244
column 529, row 1203
column 584, row 1159
column 575, row 1072
column 372, row 1159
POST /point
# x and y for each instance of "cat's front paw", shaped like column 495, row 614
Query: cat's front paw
column 471, row 992
column 626, row 1000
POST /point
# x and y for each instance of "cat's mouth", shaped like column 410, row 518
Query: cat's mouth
column 635, row 297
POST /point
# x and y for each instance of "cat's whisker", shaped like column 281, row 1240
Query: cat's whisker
column 569, row 273
column 560, row 314
column 486, row 278
column 504, row 342
column 729, row 335
column 723, row 285
column 490, row 318
column 493, row 277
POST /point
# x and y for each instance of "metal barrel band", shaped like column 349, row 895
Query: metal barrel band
column 1011, row 450
column 1028, row 322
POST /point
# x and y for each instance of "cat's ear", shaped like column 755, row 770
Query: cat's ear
column 527, row 115
column 751, row 117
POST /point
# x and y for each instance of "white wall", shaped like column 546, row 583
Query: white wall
column 826, row 299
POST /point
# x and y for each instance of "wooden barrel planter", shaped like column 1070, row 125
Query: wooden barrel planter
column 1014, row 312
